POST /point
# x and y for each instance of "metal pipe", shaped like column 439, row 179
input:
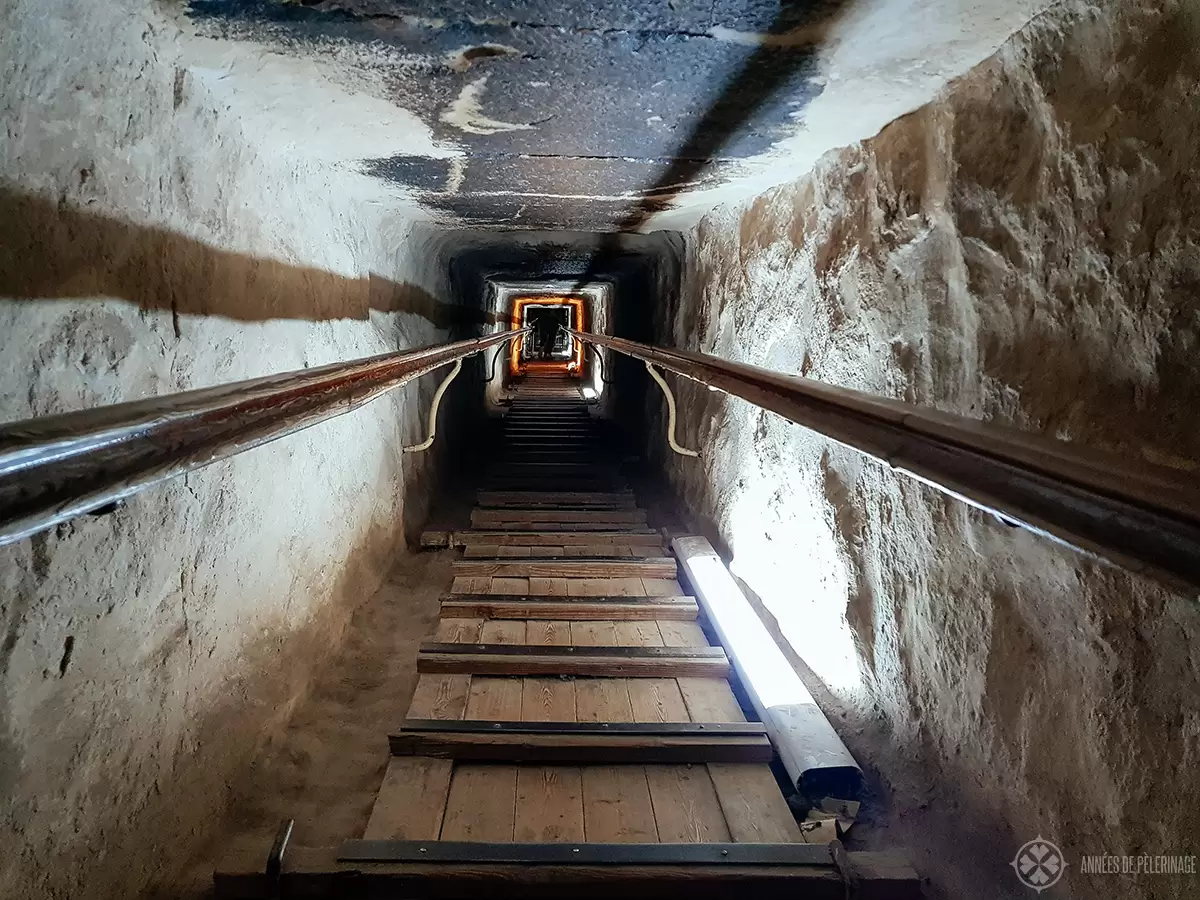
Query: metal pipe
column 56, row 467
column 666, row 389
column 433, row 410
column 1142, row 517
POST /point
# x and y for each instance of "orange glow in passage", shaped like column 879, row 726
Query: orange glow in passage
column 572, row 366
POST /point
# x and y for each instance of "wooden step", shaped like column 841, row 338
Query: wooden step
column 492, row 606
column 570, row 551
column 583, row 742
column 643, row 537
column 606, row 662
column 440, row 870
column 651, row 567
column 576, row 499
column 493, row 517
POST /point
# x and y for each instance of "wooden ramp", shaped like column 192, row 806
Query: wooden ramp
column 572, row 732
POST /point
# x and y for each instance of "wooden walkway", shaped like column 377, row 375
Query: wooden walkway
column 571, row 702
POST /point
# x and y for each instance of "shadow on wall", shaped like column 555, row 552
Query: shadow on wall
column 54, row 251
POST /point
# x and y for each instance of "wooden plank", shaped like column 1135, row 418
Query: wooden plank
column 494, row 699
column 549, row 804
column 499, row 551
column 549, row 587
column 603, row 551
column 482, row 803
column 683, row 634
column 315, row 872
column 488, row 607
column 615, row 662
column 663, row 566
column 643, row 537
column 606, row 587
column 686, row 809
column 507, row 585
column 594, row 634
column 602, row 700
column 601, row 748
column 440, row 697
column 710, row 700
column 616, row 805
column 500, row 631
column 548, row 632
column 637, row 633
column 460, row 629
column 411, row 801
column 571, row 499
column 547, row 700
column 657, row 700
column 490, row 518
column 661, row 587
column 754, row 808
column 470, row 584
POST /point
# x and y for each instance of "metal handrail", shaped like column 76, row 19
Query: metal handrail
column 54, row 468
column 1143, row 517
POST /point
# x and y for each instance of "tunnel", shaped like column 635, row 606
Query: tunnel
column 503, row 448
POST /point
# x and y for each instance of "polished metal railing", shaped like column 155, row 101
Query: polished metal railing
column 56, row 467
column 1143, row 517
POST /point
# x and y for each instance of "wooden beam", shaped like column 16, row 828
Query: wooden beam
column 612, row 662
column 493, row 517
column 486, row 606
column 319, row 873
column 573, row 743
column 645, row 537
column 652, row 567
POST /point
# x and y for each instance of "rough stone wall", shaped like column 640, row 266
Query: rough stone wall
column 152, row 242
column 1024, row 250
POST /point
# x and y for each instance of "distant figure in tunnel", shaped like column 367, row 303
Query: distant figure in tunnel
column 545, row 329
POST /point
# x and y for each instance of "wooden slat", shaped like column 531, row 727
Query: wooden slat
column 482, row 659
column 652, row 567
column 490, row 518
column 549, row 804
column 465, row 629
column 637, row 634
column 683, row 634
column 616, row 805
column 548, row 587
column 494, row 699
column 500, row 631
column 657, row 700
column 554, row 633
column 487, row 607
column 643, row 537
column 547, row 700
column 507, row 746
column 754, row 808
column 572, row 499
column 440, row 697
column 508, row 585
column 606, row 587
column 470, row 584
column 411, row 801
column 686, row 809
column 482, row 803
column 315, row 872
column 710, row 700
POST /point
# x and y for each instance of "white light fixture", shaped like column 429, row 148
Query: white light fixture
column 589, row 393
column 814, row 756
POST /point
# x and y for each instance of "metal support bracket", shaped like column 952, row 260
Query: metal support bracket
column 604, row 379
column 666, row 389
column 274, row 867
